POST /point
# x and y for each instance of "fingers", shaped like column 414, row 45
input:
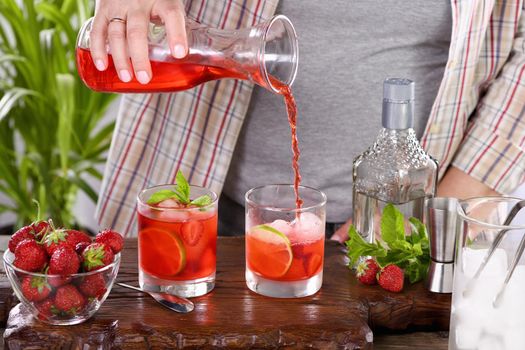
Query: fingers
column 341, row 235
column 119, row 51
column 173, row 15
column 97, row 37
column 137, row 37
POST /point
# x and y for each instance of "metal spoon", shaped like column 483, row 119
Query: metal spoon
column 172, row 302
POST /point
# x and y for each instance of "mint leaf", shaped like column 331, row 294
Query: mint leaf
column 392, row 224
column 160, row 196
column 202, row 201
column 357, row 247
column 183, row 187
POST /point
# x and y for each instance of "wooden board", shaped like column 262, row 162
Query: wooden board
column 341, row 315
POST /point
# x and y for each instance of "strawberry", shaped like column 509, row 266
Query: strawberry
column 57, row 281
column 112, row 239
column 35, row 288
column 34, row 231
column 79, row 248
column 391, row 278
column 93, row 286
column 46, row 308
column 75, row 237
column 96, row 256
column 64, row 261
column 55, row 239
column 192, row 232
column 25, row 232
column 30, row 256
column 41, row 228
column 69, row 299
column 366, row 272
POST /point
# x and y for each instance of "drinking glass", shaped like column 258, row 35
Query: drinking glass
column 177, row 246
column 284, row 244
column 477, row 320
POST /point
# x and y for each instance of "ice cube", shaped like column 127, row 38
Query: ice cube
column 466, row 336
column 282, row 226
column 173, row 215
column 489, row 342
column 169, row 203
column 472, row 258
column 514, row 338
column 308, row 227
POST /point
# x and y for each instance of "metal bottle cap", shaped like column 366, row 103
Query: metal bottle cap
column 398, row 103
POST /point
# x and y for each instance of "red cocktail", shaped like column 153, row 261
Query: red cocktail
column 177, row 243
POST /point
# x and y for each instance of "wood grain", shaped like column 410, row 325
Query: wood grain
column 233, row 317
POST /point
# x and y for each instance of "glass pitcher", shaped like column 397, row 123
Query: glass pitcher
column 266, row 54
column 485, row 313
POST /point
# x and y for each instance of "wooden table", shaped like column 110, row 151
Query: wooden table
column 342, row 315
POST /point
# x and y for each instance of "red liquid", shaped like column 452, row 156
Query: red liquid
column 181, row 75
column 167, row 76
column 176, row 245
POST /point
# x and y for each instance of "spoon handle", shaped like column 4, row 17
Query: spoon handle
column 130, row 287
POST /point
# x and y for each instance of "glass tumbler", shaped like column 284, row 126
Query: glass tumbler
column 485, row 313
column 284, row 244
column 177, row 246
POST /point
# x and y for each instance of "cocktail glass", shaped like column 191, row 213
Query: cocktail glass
column 284, row 244
column 477, row 320
column 177, row 245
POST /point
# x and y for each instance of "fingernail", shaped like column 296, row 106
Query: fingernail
column 124, row 75
column 179, row 51
column 143, row 77
column 100, row 65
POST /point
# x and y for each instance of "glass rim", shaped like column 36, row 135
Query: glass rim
column 465, row 217
column 290, row 28
column 11, row 265
column 214, row 198
column 276, row 209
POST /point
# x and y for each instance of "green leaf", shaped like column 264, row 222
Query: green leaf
column 202, row 201
column 392, row 224
column 183, row 187
column 357, row 247
column 160, row 196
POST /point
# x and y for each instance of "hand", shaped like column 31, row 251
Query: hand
column 341, row 235
column 129, row 39
column 460, row 185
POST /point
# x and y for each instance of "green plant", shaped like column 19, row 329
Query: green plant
column 51, row 137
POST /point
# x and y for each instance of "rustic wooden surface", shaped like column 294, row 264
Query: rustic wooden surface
column 232, row 316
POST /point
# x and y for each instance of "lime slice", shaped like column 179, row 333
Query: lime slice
column 162, row 253
column 268, row 251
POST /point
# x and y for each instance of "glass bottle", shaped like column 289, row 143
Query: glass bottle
column 395, row 169
column 266, row 54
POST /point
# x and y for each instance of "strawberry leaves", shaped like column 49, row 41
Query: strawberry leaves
column 181, row 193
column 409, row 252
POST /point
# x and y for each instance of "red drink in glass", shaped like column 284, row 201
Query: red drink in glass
column 177, row 244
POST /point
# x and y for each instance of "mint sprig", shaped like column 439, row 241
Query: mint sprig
column 181, row 193
column 411, row 253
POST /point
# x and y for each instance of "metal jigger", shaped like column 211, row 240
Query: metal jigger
column 441, row 223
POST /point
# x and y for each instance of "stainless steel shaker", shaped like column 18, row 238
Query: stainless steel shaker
column 442, row 225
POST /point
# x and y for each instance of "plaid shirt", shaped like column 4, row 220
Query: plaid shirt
column 477, row 122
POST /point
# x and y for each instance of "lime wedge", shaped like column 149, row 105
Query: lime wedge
column 162, row 253
column 268, row 251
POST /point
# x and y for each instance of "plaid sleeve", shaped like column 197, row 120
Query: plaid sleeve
column 493, row 149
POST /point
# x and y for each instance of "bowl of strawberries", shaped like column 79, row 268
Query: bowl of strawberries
column 62, row 275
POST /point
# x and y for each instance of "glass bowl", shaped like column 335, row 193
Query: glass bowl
column 84, row 292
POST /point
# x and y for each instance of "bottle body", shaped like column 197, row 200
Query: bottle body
column 266, row 54
column 395, row 169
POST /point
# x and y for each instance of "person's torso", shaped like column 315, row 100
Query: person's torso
column 346, row 50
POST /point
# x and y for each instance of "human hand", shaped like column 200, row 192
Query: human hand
column 341, row 235
column 128, row 37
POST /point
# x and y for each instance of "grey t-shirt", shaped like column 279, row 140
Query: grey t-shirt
column 346, row 49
